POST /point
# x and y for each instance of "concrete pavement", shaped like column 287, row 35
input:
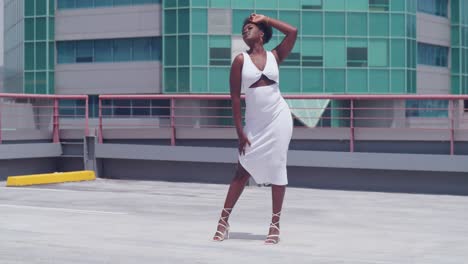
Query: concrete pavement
column 116, row 221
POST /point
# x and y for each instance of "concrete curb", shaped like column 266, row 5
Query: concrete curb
column 50, row 178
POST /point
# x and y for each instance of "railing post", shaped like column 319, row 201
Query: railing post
column 100, row 137
column 351, row 126
column 173, row 132
column 55, row 133
column 452, row 126
column 87, row 116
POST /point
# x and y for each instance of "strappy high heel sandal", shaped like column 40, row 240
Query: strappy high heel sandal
column 273, row 239
column 220, row 236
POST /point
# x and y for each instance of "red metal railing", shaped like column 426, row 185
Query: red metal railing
column 352, row 112
column 38, row 116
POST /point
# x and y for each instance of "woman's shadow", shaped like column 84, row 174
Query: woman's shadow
column 245, row 236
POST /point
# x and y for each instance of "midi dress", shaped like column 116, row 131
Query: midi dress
column 268, row 124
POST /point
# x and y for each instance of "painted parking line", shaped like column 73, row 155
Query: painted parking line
column 67, row 210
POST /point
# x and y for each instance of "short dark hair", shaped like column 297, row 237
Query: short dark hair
column 266, row 29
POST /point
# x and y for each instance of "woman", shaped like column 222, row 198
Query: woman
column 264, row 141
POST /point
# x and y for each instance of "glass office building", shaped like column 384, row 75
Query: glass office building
column 186, row 46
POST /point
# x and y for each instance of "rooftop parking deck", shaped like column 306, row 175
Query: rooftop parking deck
column 117, row 221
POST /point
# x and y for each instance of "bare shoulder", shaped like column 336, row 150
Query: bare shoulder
column 239, row 59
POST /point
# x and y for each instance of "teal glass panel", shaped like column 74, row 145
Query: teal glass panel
column 199, row 80
column 41, row 83
column 51, row 47
column 238, row 17
column 51, row 7
column 455, row 60
column 184, row 50
column 51, row 83
column 411, row 26
column 378, row 52
column 267, row 4
column 291, row 80
column 219, row 79
column 29, row 29
column 29, row 56
column 201, row 3
column 290, row 4
column 334, row 52
column 357, row 24
column 41, row 7
column 100, row 3
column 398, row 25
column 199, row 50
column 312, row 46
column 183, row 80
column 84, row 51
column 85, row 3
column 378, row 24
column 29, row 82
column 170, row 53
column 334, row 5
column 397, row 5
column 312, row 23
column 41, row 55
column 312, row 80
column 312, row 4
column 199, row 21
column 398, row 53
column 334, row 24
column 41, row 28
column 123, row 2
column 28, row 8
column 156, row 48
column 220, row 3
column 291, row 17
column 171, row 3
column 220, row 41
column 170, row 21
column 455, row 86
column 357, row 43
column 103, row 50
column 274, row 41
column 51, row 28
column 379, row 81
column 455, row 36
column 141, row 49
column 335, row 81
column 64, row 4
column 170, row 79
column 66, row 52
column 357, row 5
column 183, row 21
column 398, row 82
column 122, row 49
column 357, row 81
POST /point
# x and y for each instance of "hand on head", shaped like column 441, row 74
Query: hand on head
column 257, row 18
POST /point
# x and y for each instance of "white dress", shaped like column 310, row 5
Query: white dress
column 268, row 124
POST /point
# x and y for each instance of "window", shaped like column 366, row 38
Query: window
column 434, row 7
column 312, row 4
column 68, row 4
column 432, row 55
column 109, row 50
column 466, row 106
column 220, row 56
column 378, row 5
column 357, row 57
column 427, row 108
